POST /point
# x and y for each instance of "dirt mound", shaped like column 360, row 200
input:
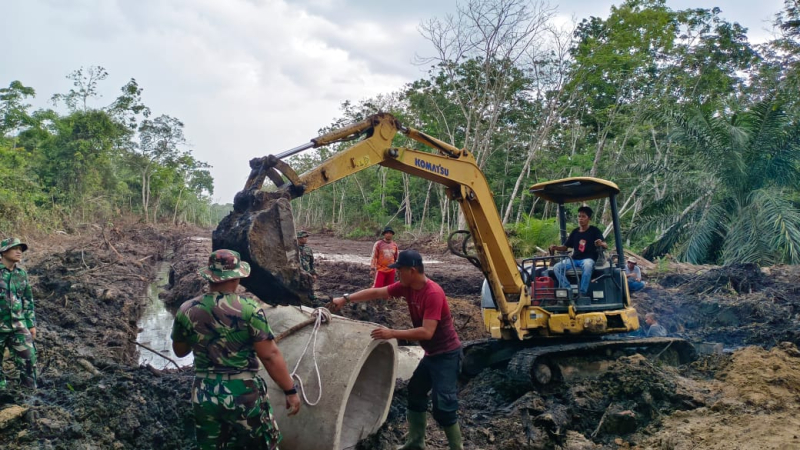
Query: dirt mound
column 88, row 300
column 755, row 406
column 115, row 409
column 736, row 305
column 191, row 254
column 763, row 380
column 497, row 412
column 739, row 279
column 89, row 297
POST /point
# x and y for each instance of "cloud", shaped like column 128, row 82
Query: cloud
column 247, row 77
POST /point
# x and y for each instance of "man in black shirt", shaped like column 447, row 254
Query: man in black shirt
column 584, row 242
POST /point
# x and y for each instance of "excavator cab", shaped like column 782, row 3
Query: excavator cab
column 608, row 288
column 566, row 333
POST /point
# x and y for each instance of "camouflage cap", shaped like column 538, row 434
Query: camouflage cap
column 12, row 242
column 224, row 265
column 302, row 234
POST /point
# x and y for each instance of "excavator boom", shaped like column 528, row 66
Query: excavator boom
column 261, row 226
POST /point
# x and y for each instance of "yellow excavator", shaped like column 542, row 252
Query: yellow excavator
column 541, row 334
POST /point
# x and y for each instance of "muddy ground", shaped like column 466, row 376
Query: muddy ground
column 90, row 290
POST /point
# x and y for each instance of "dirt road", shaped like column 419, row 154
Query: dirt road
column 90, row 291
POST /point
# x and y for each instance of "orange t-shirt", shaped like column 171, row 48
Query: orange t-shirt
column 383, row 254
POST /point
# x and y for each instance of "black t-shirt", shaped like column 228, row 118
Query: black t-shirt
column 582, row 242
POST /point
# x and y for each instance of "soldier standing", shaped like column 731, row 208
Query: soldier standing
column 17, row 318
column 306, row 254
column 227, row 332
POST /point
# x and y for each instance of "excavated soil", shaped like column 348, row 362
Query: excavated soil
column 90, row 291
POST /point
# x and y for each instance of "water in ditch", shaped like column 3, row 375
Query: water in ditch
column 156, row 325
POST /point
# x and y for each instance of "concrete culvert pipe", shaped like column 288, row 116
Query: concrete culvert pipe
column 357, row 374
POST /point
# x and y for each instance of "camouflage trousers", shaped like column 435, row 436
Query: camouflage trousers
column 20, row 346
column 233, row 414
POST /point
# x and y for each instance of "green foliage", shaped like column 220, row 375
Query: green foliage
column 58, row 169
column 359, row 233
column 530, row 233
column 14, row 111
column 738, row 208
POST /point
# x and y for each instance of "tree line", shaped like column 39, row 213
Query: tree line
column 698, row 126
column 76, row 162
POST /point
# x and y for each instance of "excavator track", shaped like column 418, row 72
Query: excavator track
column 540, row 363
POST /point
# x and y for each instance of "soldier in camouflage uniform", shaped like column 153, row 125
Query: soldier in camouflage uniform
column 306, row 254
column 17, row 318
column 227, row 332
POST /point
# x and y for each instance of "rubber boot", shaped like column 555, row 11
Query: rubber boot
column 415, row 440
column 453, row 433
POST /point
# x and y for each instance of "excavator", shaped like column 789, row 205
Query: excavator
column 539, row 333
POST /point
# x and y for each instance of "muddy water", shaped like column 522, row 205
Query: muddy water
column 156, row 325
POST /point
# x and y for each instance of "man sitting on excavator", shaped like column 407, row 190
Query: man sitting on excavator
column 584, row 242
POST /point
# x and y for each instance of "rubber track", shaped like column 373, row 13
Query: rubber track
column 519, row 367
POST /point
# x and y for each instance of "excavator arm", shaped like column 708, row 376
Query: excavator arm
column 262, row 216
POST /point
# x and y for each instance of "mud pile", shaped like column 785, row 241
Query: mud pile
column 754, row 406
column 735, row 305
column 499, row 413
column 191, row 254
column 106, row 406
column 88, row 299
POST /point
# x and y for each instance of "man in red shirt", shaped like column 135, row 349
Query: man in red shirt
column 433, row 328
column 384, row 254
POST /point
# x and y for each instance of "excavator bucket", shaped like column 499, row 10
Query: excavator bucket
column 267, row 240
column 261, row 229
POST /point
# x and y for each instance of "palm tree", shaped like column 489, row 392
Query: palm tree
column 734, row 189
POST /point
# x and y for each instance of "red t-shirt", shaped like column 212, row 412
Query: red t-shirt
column 430, row 303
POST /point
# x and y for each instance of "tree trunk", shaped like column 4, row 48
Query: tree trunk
column 177, row 203
column 145, row 196
column 407, row 200
column 425, row 206
column 341, row 206
column 333, row 204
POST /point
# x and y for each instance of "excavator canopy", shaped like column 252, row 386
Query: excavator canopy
column 574, row 189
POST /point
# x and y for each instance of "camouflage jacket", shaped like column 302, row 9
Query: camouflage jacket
column 16, row 299
column 221, row 329
column 307, row 259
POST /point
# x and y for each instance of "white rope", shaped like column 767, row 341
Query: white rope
column 323, row 316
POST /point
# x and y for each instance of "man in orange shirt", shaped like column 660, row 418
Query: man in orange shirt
column 384, row 253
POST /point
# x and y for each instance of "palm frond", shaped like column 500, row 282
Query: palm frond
column 782, row 219
column 701, row 236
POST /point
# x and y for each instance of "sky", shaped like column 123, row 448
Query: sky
column 251, row 77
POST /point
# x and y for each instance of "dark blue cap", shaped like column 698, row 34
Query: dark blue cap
column 407, row 258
